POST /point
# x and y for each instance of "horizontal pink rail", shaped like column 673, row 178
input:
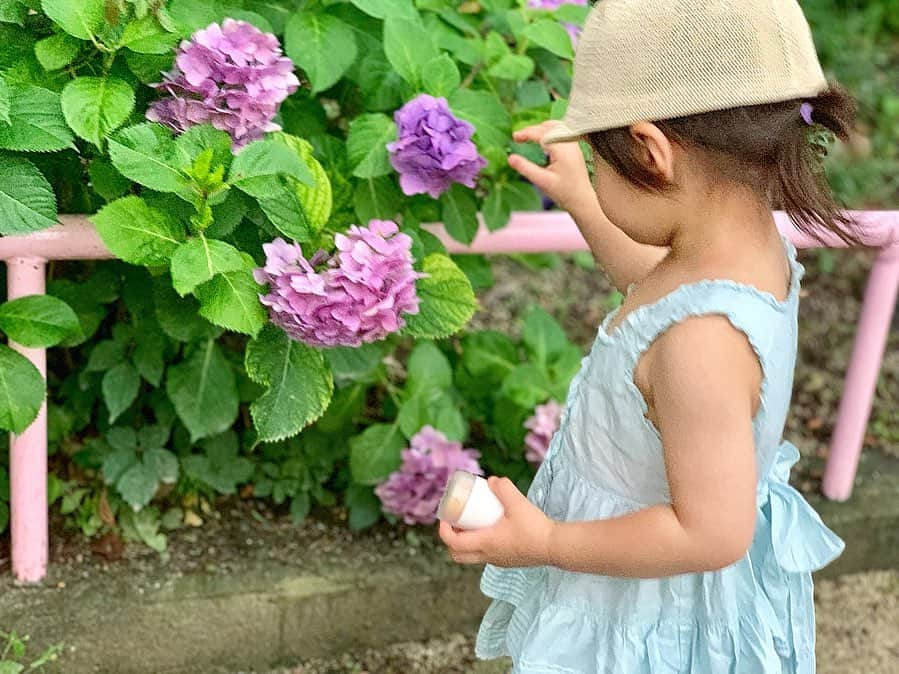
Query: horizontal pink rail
column 551, row 231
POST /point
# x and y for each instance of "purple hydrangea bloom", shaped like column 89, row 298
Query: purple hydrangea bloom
column 358, row 295
column 414, row 491
column 433, row 149
column 232, row 76
column 542, row 426
column 573, row 30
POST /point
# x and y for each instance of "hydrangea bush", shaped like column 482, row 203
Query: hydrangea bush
column 279, row 320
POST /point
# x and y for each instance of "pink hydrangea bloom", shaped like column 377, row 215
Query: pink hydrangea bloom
column 358, row 295
column 542, row 426
column 414, row 491
column 232, row 76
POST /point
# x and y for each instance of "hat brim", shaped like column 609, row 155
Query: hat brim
column 561, row 133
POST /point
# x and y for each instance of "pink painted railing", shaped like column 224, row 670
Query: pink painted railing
column 76, row 239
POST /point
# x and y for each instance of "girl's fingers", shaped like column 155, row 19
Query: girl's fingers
column 538, row 175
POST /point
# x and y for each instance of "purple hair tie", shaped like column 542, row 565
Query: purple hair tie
column 805, row 111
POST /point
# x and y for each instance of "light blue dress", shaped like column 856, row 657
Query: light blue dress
column 606, row 460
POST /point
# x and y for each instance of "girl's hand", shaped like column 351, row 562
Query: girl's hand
column 520, row 538
column 565, row 179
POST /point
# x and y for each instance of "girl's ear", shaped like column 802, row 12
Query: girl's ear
column 656, row 151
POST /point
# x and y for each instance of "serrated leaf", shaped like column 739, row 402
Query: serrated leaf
column 377, row 198
column 408, row 46
column 198, row 260
column 12, row 11
column 367, row 145
column 198, row 139
column 428, row 368
column 543, row 336
column 486, row 113
column 81, row 18
column 120, row 387
column 516, row 67
column 203, row 391
column 4, row 101
column 137, row 233
column 231, row 300
column 94, row 106
column 441, row 76
column 220, row 467
column 106, row 181
column 36, row 122
column 360, row 364
column 375, row 453
column 163, row 464
column 299, row 384
column 21, row 391
column 38, row 321
column 180, row 318
column 460, row 213
column 279, row 200
column 146, row 154
column 432, row 407
column 489, row 353
column 146, row 36
column 105, row 355
column 148, row 68
column 381, row 9
column 148, row 355
column 317, row 198
column 138, row 485
column 447, row 300
column 57, row 51
column 552, row 36
column 117, row 463
column 527, row 386
column 267, row 158
column 322, row 45
column 27, row 202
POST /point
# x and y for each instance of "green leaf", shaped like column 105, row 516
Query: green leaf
column 299, row 384
column 117, row 463
column 231, row 300
column 375, row 453
column 316, row 198
column 120, row 388
column 105, row 355
column 408, row 47
column 576, row 14
column 377, row 198
column 486, row 113
column 147, row 67
column 460, row 213
column 543, row 336
column 197, row 139
column 432, row 407
column 137, row 233
column 21, row 391
column 516, row 67
column 278, row 198
column 81, row 18
column 381, row 9
column 447, row 300
column 12, row 11
column 122, row 438
column 148, row 355
column 146, row 154
column 552, row 36
column 38, row 321
column 180, row 318
column 441, row 76
column 194, row 14
column 364, row 505
column 221, row 467
column 106, row 181
column 367, row 145
column 143, row 526
column 477, row 268
column 27, row 202
column 163, row 463
column 198, row 260
column 5, row 101
column 146, row 36
column 36, row 122
column 255, row 19
column 138, row 485
column 361, row 364
column 204, row 391
column 489, row 354
column 527, row 386
column 322, row 45
column 428, row 368
column 57, row 51
column 266, row 158
column 505, row 198
column 94, row 106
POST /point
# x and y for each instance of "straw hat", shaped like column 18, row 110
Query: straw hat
column 658, row 59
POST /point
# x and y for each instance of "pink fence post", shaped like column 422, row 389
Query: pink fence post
column 28, row 451
column 861, row 378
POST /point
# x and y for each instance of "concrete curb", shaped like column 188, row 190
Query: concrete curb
column 264, row 615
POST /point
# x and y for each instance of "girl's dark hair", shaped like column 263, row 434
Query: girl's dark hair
column 770, row 148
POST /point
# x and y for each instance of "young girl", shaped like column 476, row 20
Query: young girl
column 661, row 536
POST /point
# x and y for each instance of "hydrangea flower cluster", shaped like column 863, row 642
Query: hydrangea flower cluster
column 573, row 30
column 542, row 426
column 232, row 76
column 356, row 296
column 433, row 149
column 414, row 491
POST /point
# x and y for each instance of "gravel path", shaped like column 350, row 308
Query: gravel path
column 858, row 617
